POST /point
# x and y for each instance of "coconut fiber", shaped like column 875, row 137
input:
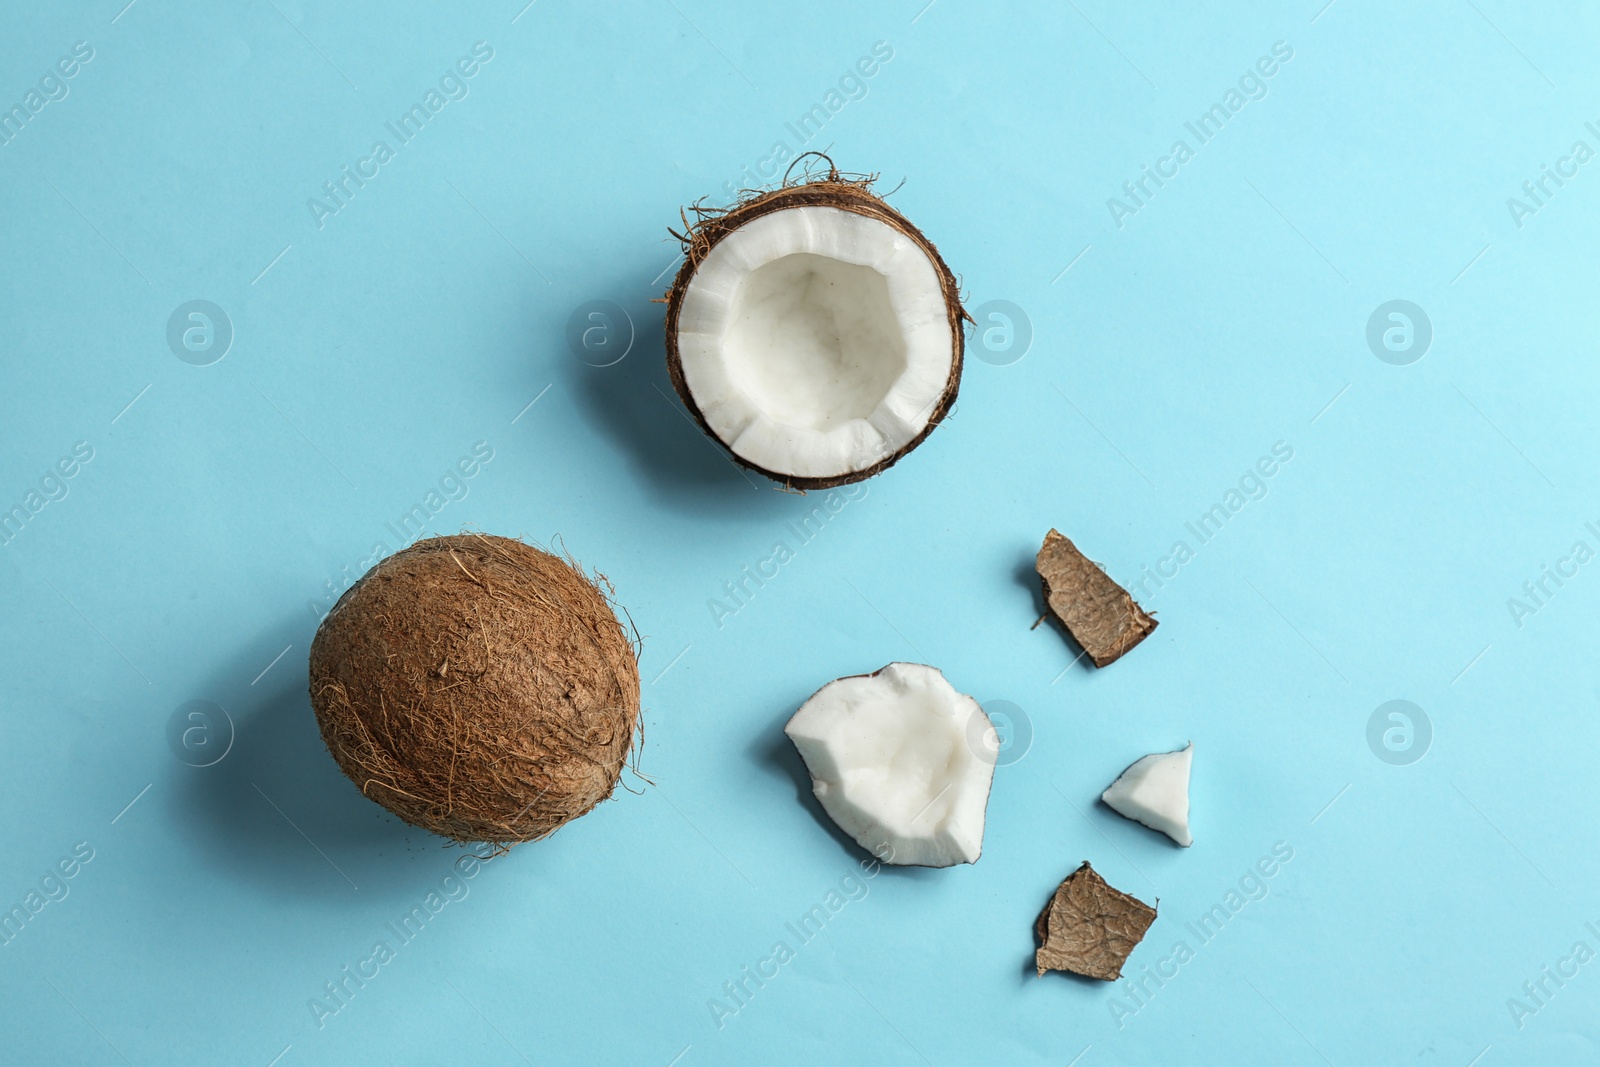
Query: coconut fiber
column 477, row 687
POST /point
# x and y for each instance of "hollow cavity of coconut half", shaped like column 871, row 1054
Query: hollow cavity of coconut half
column 814, row 332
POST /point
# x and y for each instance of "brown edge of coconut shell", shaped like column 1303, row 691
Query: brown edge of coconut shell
column 848, row 192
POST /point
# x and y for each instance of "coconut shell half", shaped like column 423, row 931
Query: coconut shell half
column 813, row 332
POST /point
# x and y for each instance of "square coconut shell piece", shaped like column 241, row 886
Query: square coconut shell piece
column 1089, row 928
column 1097, row 612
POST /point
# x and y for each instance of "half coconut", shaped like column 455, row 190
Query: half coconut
column 813, row 332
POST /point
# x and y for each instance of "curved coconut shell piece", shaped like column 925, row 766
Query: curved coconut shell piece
column 1089, row 928
column 1099, row 614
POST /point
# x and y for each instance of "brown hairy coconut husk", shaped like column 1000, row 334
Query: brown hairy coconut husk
column 715, row 387
column 477, row 687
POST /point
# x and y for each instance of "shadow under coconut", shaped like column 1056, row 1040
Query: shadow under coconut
column 277, row 813
column 773, row 751
column 1026, row 574
column 633, row 401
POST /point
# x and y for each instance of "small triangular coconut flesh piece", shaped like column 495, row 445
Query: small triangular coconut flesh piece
column 901, row 762
column 813, row 332
column 1097, row 612
column 1155, row 791
column 1089, row 928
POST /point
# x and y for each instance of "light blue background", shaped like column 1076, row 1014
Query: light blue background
column 1229, row 313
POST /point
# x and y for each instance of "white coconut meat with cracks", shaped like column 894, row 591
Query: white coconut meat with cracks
column 902, row 762
column 816, row 341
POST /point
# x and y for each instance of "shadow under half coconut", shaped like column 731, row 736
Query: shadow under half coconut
column 633, row 401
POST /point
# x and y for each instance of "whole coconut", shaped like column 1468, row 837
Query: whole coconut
column 477, row 687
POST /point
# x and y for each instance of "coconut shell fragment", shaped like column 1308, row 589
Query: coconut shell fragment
column 1089, row 928
column 1099, row 614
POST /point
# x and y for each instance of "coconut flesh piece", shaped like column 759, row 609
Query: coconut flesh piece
column 817, row 343
column 1155, row 791
column 891, row 763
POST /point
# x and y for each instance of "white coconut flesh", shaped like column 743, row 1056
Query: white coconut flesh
column 815, row 341
column 891, row 763
column 1155, row 792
